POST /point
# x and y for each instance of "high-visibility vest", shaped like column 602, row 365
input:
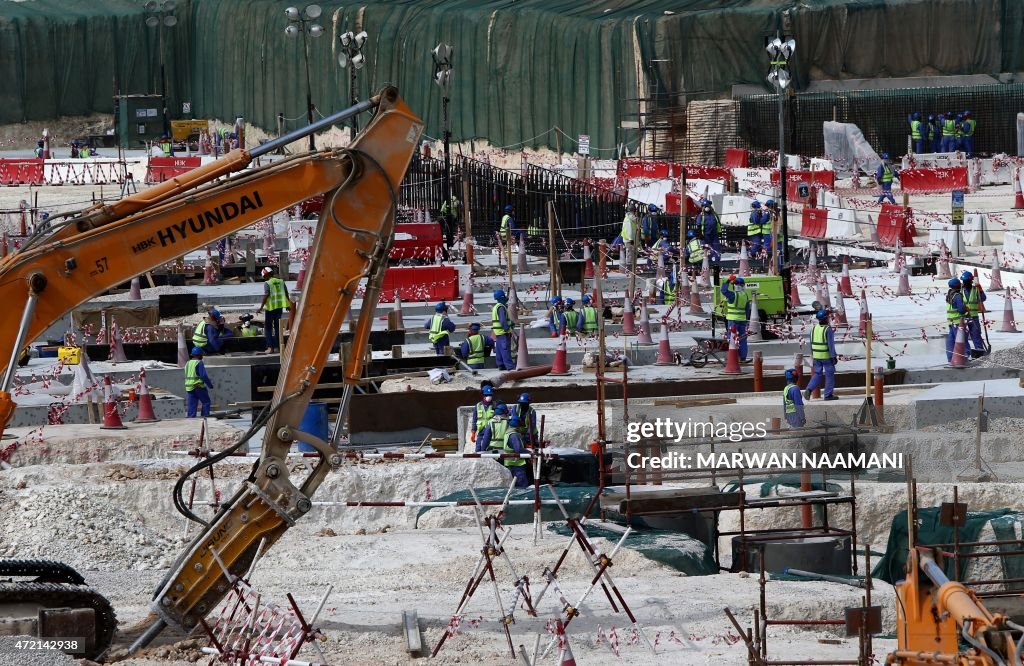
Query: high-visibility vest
column 668, row 293
column 886, row 174
column 819, row 342
column 571, row 319
column 506, row 224
column 959, row 130
column 754, row 225
column 968, row 126
column 496, row 318
column 436, row 332
column 451, row 207
column 972, row 299
column 589, row 319
column 476, row 349
column 484, row 414
column 948, row 127
column 501, row 445
column 499, row 426
column 278, row 298
column 249, row 332
column 718, row 222
column 165, row 146
column 915, row 129
column 199, row 338
column 737, row 310
column 788, row 403
column 953, row 316
column 696, row 251
column 192, row 378
column 628, row 232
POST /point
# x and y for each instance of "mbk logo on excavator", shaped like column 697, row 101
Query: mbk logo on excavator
column 202, row 221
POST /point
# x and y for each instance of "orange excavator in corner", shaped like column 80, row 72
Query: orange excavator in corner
column 87, row 253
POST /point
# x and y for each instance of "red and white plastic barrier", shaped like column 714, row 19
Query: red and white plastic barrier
column 736, row 158
column 896, row 226
column 160, row 169
column 21, row 171
column 924, row 181
column 814, row 223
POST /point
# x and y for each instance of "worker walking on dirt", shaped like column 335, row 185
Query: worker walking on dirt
column 956, row 314
column 884, row 177
column 793, row 402
column 475, row 348
column 528, row 417
column 501, row 327
column 588, row 316
column 737, row 311
column 483, row 413
column 973, row 298
column 440, row 326
column 196, row 381
column 823, row 351
column 275, row 300
column 711, row 227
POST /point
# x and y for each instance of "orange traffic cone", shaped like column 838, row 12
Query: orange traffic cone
column 588, row 261
column 301, row 280
column 794, row 293
column 399, row 321
column 565, row 657
column 942, row 269
column 664, row 349
column 845, row 288
column 732, row 359
column 643, row 336
column 754, row 324
column 996, row 281
column 117, row 354
column 467, row 300
column 959, row 359
column 135, row 292
column 862, row 328
column 903, row 289
column 695, row 306
column 146, row 414
column 628, row 323
column 209, row 273
column 704, row 279
column 839, row 314
column 560, row 366
column 1009, row 325
column 744, row 260
column 819, row 293
column 684, row 286
column 827, row 297
column 798, row 365
column 521, row 256
column 1018, row 198
column 522, row 352
column 111, row 419
column 182, row 348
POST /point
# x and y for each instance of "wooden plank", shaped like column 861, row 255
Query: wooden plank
column 411, row 624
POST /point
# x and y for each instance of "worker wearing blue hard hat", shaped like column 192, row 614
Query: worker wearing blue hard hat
column 948, row 132
column 211, row 332
column 196, row 383
column 956, row 314
column 528, row 416
column 755, row 227
column 440, row 326
column 974, row 296
column 483, row 412
column 934, row 133
column 711, row 228
column 823, row 353
column 573, row 320
column 967, row 127
column 556, row 316
column 917, row 132
column 649, row 225
column 504, row 435
column 737, row 311
column 792, row 401
column 507, row 229
column 693, row 253
column 495, row 428
column 476, row 347
column 501, row 329
column 588, row 316
column 884, row 176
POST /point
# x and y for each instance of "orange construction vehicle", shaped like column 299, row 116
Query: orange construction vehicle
column 87, row 253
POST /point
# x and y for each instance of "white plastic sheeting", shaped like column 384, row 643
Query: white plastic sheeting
column 847, row 148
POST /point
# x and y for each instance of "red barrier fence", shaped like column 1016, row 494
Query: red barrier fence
column 160, row 169
column 815, row 221
column 651, row 169
column 736, row 158
column 694, row 171
column 672, row 204
column 922, row 181
column 21, row 171
column 415, row 240
column 420, row 283
column 826, row 179
column 896, row 226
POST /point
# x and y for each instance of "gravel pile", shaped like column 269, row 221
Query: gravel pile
column 1007, row 358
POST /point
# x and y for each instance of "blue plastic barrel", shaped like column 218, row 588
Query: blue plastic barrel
column 315, row 423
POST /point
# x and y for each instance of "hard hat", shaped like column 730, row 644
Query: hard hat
column 501, row 409
column 770, row 203
column 214, row 312
column 931, row 116
column 959, row 116
column 555, row 300
column 586, row 298
column 822, row 314
column 954, row 283
column 514, row 421
column 474, row 326
column 740, row 281
column 569, row 302
column 941, row 116
column 755, row 204
column 74, row 142
column 966, row 276
column 690, row 234
column 885, row 156
column 967, row 114
column 267, row 271
column 652, row 208
column 917, row 116
column 499, row 295
column 39, row 142
column 197, row 351
column 440, row 307
column 524, row 398
column 508, row 208
column 487, row 390
column 664, row 232
column 790, row 375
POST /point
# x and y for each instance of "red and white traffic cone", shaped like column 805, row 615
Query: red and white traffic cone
column 135, row 292
column 522, row 352
column 826, row 299
column 664, row 349
column 117, row 354
column 399, row 321
column 683, row 287
column 996, row 281
column 695, row 306
column 942, row 268
column 839, row 314
column 111, row 418
column 643, row 336
column 660, row 272
column 146, row 414
column 560, row 366
column 798, row 365
column 812, row 265
column 862, row 328
column 704, row 279
column 904, row 286
column 744, row 260
column 754, row 324
column 513, row 300
column 521, row 256
column 182, row 348
column 794, row 293
column 209, row 272
column 1009, row 325
column 845, row 288
column 467, row 301
column 732, row 359
column 959, row 359
column 588, row 261
column 301, row 280
column 1018, row 198
column 565, row 657
column 628, row 322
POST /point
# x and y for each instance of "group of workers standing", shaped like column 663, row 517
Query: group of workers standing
column 964, row 300
column 499, row 428
column 943, row 133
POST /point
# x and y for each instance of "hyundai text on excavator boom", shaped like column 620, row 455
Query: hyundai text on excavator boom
column 108, row 244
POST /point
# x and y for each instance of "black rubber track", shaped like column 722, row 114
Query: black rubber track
column 44, row 571
column 64, row 595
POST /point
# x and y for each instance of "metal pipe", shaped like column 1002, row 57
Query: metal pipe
column 323, row 123
column 147, row 636
column 826, row 577
column 26, row 319
column 340, row 426
column 525, row 373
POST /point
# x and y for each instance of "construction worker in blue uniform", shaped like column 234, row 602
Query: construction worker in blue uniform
column 556, row 317
column 483, row 412
column 823, row 352
column 501, row 327
column 663, row 245
column 475, row 348
column 275, row 301
column 210, row 332
column 935, row 133
column 917, row 132
column 694, row 251
column 967, row 127
column 956, row 314
column 495, row 428
column 668, row 287
column 39, row 149
column 508, row 230
column 504, row 435
column 573, row 320
column 974, row 296
column 948, row 132
column 649, row 226
column 884, row 177
column 755, row 226
column 588, row 316
column 793, row 402
column 196, row 383
column 440, row 326
column 528, row 417
column 711, row 227
column 737, row 311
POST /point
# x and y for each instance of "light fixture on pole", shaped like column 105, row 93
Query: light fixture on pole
column 304, row 23
column 442, row 55
column 780, row 51
column 351, row 57
column 160, row 15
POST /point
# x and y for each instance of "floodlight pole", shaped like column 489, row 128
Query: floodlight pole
column 447, row 154
column 787, row 273
column 352, row 95
column 309, row 85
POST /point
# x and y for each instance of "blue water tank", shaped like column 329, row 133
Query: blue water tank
column 315, row 423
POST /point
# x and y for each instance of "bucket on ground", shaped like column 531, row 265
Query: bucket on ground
column 314, row 422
